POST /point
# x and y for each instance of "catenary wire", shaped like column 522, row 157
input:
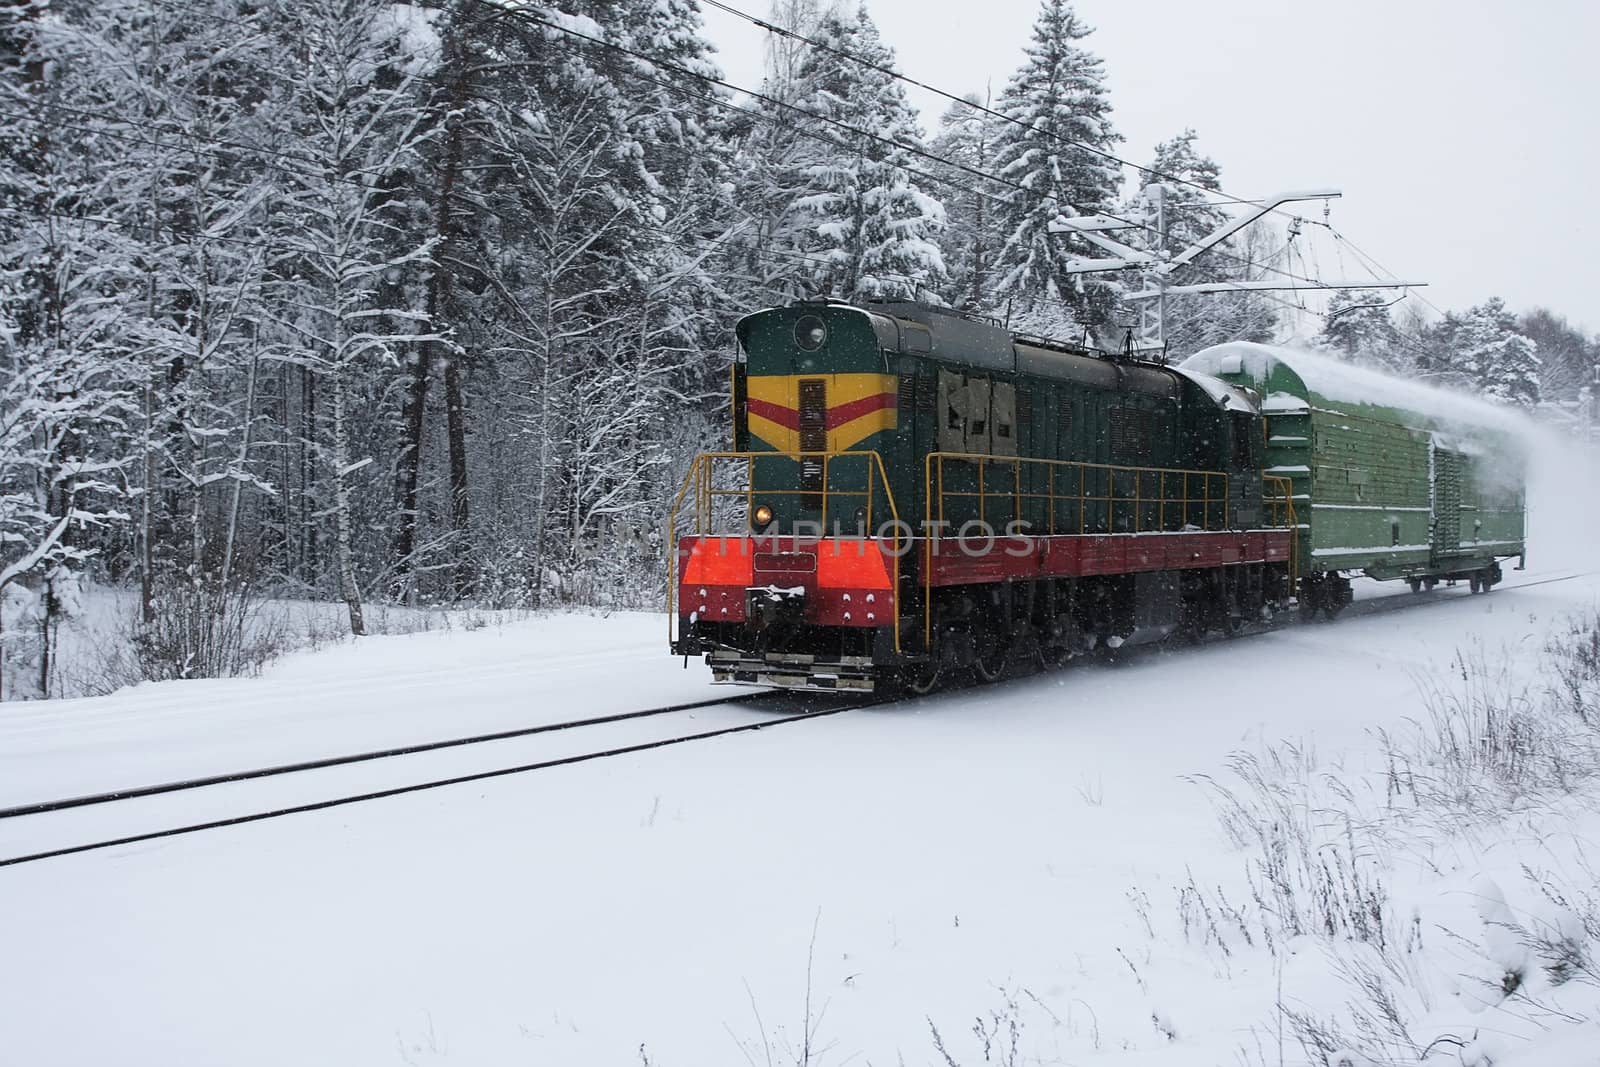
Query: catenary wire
column 945, row 94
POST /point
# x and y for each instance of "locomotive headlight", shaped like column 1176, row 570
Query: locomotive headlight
column 762, row 516
column 810, row 333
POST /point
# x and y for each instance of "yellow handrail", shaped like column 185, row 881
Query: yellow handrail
column 1214, row 486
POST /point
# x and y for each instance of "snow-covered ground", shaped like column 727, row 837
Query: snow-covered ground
column 920, row 862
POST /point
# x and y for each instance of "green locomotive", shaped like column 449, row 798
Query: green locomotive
column 912, row 490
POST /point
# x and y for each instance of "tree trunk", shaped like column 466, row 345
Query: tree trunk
column 310, row 569
column 437, row 303
column 410, row 470
column 232, row 535
column 456, row 429
column 341, row 492
column 147, row 556
column 541, row 473
column 46, row 618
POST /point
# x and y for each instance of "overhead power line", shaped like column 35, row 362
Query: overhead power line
column 1111, row 157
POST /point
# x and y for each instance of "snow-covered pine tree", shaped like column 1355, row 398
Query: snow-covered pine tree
column 1062, row 124
column 1434, row 346
column 784, row 56
column 680, row 185
column 1500, row 362
column 870, row 229
column 972, row 237
column 1358, row 326
column 1198, row 320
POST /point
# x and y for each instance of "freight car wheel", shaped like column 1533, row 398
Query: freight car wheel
column 1475, row 582
column 1415, row 583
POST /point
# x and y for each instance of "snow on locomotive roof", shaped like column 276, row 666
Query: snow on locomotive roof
column 1335, row 380
column 1228, row 396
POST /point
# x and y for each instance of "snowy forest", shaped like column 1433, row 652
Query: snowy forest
column 431, row 303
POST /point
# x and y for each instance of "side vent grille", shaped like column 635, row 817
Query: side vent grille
column 1129, row 434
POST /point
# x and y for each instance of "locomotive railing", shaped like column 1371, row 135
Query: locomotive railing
column 717, row 483
column 1055, row 496
column 1075, row 498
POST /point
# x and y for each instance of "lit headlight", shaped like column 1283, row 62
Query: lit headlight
column 762, row 516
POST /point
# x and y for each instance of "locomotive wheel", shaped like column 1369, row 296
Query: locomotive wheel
column 1058, row 649
column 925, row 678
column 990, row 662
column 1049, row 656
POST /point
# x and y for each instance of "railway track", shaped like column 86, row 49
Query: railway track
column 1287, row 622
column 309, row 767
column 776, row 702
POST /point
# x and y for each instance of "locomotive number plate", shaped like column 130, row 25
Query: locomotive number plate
column 788, row 562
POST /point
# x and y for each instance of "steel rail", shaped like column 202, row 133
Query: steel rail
column 157, row 789
column 381, row 794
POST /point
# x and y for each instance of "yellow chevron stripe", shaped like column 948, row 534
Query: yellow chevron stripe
column 783, row 390
column 842, row 388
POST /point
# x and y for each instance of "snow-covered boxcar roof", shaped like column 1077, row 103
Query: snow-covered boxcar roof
column 1332, row 380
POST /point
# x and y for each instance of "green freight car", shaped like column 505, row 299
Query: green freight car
column 1391, row 479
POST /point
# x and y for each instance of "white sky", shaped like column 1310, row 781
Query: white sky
column 1462, row 132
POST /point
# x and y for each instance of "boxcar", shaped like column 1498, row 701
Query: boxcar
column 1391, row 479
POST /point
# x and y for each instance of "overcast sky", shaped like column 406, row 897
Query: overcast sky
column 1463, row 133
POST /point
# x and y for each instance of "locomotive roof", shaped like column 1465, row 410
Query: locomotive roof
column 1333, row 380
column 955, row 336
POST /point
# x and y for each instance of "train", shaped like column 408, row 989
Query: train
column 914, row 492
